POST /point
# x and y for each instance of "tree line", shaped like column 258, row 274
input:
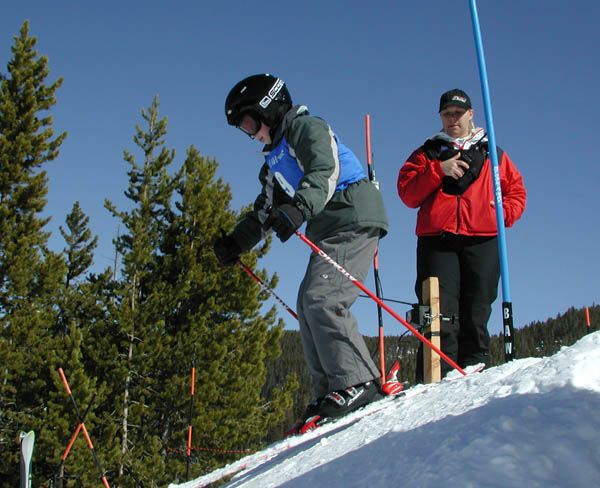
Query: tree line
column 127, row 338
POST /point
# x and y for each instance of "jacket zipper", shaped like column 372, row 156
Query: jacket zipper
column 457, row 213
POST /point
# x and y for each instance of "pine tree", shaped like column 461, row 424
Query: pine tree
column 80, row 243
column 84, row 307
column 174, row 303
column 139, row 311
column 30, row 274
column 93, row 311
column 62, row 419
column 216, row 318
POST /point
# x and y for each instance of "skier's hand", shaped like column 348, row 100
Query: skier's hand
column 284, row 220
column 227, row 250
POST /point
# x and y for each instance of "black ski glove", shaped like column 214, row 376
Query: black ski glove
column 227, row 250
column 284, row 220
column 474, row 157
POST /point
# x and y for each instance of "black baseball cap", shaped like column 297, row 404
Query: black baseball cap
column 455, row 97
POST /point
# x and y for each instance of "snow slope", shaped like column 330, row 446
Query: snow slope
column 531, row 422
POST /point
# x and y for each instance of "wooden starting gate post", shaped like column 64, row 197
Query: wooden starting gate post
column 432, row 370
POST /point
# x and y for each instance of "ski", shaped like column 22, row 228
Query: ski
column 27, row 440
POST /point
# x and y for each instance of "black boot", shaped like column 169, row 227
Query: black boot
column 340, row 402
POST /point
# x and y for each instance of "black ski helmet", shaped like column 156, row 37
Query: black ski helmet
column 264, row 96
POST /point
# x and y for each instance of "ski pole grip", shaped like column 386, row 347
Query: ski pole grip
column 64, row 380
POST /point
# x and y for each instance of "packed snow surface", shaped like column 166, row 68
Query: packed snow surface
column 532, row 422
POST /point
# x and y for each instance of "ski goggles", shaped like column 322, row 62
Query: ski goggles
column 249, row 124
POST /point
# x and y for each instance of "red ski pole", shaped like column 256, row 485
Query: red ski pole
column 380, row 302
column 269, row 290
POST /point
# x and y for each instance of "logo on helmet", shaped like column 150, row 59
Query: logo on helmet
column 273, row 92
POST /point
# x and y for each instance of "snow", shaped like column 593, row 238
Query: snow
column 533, row 421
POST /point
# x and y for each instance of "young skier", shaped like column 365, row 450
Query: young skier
column 309, row 176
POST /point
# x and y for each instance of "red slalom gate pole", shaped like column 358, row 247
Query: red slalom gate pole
column 269, row 290
column 588, row 323
column 70, row 445
column 82, row 427
column 191, row 412
column 378, row 292
column 76, row 433
column 381, row 303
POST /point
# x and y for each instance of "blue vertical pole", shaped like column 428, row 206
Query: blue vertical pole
column 507, row 315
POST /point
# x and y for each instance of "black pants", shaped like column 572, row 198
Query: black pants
column 468, row 270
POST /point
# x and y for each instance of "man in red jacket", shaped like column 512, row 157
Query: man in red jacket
column 449, row 179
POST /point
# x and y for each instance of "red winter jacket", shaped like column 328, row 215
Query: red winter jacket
column 472, row 213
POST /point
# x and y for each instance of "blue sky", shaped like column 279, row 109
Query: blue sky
column 343, row 60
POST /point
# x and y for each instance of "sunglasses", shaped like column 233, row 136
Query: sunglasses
column 249, row 124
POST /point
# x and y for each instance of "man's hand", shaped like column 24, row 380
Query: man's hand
column 454, row 167
column 284, row 220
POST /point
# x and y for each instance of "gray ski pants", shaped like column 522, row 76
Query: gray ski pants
column 334, row 349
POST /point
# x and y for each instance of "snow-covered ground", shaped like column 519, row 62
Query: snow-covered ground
column 532, row 422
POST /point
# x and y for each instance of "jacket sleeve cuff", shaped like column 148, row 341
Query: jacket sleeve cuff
column 303, row 209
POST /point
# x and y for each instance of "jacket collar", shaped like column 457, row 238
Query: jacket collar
column 293, row 113
column 477, row 135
